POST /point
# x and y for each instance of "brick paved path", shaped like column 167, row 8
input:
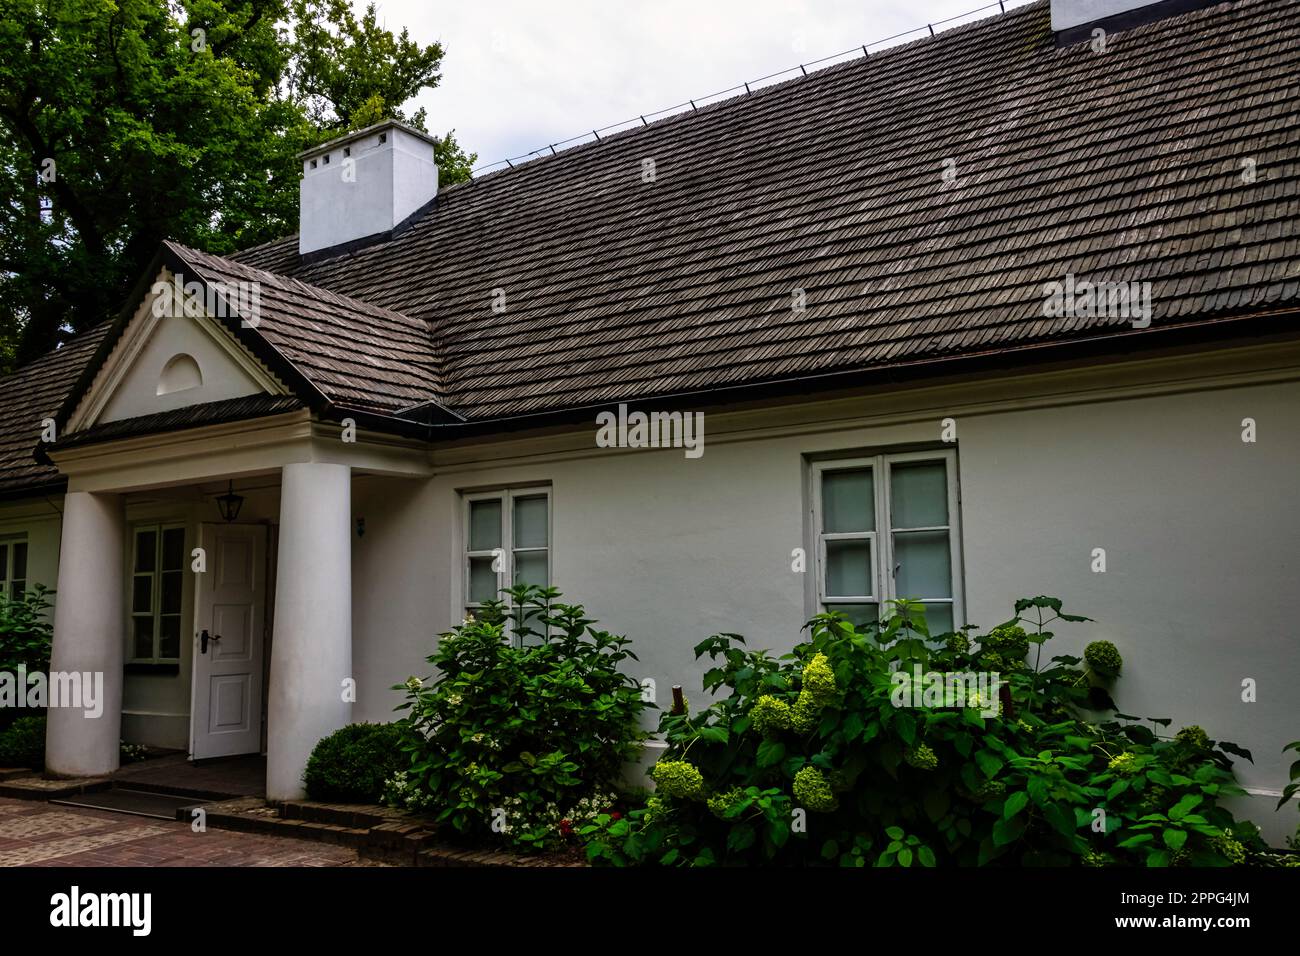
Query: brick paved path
column 38, row 834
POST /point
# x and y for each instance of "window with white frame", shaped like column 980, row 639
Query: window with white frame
column 157, row 586
column 507, row 542
column 887, row 528
column 13, row 566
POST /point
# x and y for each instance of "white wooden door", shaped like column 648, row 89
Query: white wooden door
column 228, row 642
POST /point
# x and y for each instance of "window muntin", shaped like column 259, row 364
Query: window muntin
column 13, row 566
column 886, row 528
column 157, row 588
column 507, row 543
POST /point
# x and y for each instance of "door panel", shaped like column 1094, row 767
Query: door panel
column 229, row 711
column 228, row 674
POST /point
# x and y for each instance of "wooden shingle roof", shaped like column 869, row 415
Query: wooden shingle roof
column 1125, row 165
column 28, row 397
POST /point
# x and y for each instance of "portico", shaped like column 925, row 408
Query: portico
column 265, row 600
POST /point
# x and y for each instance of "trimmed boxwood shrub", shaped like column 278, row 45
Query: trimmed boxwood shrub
column 351, row 764
column 22, row 744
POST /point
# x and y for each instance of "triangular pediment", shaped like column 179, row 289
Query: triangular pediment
column 165, row 359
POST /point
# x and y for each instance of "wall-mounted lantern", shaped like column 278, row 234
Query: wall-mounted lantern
column 230, row 503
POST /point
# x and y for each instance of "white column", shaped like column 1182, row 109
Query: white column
column 311, row 649
column 88, row 638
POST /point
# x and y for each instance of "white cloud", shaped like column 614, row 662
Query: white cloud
column 518, row 75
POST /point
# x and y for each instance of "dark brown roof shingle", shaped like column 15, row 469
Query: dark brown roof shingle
column 29, row 396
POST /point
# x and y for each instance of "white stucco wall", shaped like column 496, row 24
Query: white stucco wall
column 1143, row 459
column 1201, row 531
column 40, row 520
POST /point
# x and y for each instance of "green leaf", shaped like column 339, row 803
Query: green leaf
column 926, row 856
column 1008, row 831
column 905, row 723
column 741, row 837
column 1174, row 839
column 1136, row 840
column 1234, row 749
column 936, row 803
column 905, row 857
column 1060, row 820
column 1015, row 803
column 894, row 833
column 779, row 832
column 1184, row 806
column 989, row 762
column 770, row 752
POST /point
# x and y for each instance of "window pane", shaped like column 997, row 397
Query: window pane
column 169, row 636
column 142, row 594
column 919, row 494
column 848, row 501
column 859, row 614
column 19, row 569
column 146, row 543
column 142, row 644
column 938, row 618
column 924, row 566
column 173, row 549
column 16, row 588
column 482, row 580
column 848, row 568
column 484, row 525
column 530, row 522
column 4, row 561
column 172, row 582
column 530, row 568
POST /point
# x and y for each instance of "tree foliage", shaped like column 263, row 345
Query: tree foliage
column 126, row 122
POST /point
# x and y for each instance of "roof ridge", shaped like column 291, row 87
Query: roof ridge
column 770, row 89
column 293, row 282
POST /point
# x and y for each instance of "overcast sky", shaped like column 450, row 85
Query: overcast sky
column 519, row 74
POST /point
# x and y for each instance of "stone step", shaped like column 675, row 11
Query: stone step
column 378, row 834
column 340, row 814
column 34, row 787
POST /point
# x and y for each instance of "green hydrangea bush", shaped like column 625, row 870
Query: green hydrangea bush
column 524, row 733
column 810, row 759
column 26, row 630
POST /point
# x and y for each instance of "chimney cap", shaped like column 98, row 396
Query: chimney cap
column 326, row 146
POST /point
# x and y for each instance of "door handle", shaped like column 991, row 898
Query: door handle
column 203, row 641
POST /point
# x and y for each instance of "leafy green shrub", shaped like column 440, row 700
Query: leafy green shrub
column 814, row 758
column 26, row 631
column 22, row 744
column 352, row 764
column 521, row 741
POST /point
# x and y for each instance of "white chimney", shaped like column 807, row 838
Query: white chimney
column 1070, row 14
column 364, row 184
